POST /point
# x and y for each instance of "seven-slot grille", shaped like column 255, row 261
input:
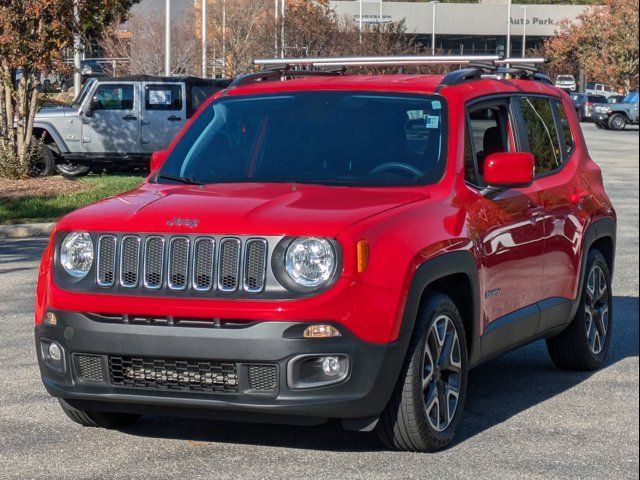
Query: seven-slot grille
column 181, row 263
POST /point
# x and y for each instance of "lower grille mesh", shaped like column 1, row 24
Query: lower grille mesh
column 89, row 367
column 263, row 378
column 173, row 374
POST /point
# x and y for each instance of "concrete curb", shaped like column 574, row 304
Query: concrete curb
column 26, row 230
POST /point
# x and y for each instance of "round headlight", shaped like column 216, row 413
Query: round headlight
column 310, row 262
column 76, row 254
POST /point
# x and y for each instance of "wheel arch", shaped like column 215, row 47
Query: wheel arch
column 50, row 130
column 456, row 275
column 601, row 235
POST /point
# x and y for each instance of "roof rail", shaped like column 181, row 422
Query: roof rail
column 478, row 65
column 385, row 61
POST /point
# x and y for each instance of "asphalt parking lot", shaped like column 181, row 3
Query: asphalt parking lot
column 524, row 418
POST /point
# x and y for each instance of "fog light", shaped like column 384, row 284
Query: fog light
column 50, row 319
column 54, row 352
column 321, row 331
column 331, row 366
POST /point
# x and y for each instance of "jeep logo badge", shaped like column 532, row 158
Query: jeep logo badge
column 183, row 222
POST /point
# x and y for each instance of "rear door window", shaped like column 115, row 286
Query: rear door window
column 565, row 128
column 541, row 133
column 166, row 97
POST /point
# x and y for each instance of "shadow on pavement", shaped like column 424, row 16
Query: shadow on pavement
column 498, row 390
column 20, row 250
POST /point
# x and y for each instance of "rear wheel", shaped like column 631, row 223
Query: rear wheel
column 585, row 343
column 72, row 170
column 89, row 418
column 617, row 121
column 427, row 403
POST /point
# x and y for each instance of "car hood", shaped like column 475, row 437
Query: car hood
column 52, row 112
column 241, row 209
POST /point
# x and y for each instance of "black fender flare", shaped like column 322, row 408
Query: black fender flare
column 53, row 133
column 437, row 268
column 600, row 228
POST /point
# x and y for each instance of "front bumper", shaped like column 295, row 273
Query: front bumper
column 373, row 369
column 600, row 117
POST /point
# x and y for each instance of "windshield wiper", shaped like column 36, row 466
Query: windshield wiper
column 185, row 180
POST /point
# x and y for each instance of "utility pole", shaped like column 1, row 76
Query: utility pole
column 276, row 28
column 77, row 78
column 360, row 23
column 224, row 38
column 167, row 38
column 508, row 49
column 204, row 38
column 380, row 14
column 433, row 27
column 283, row 12
column 524, row 33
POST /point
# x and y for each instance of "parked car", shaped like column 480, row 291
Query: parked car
column 616, row 98
column 91, row 68
column 583, row 104
column 336, row 246
column 118, row 122
column 618, row 115
column 566, row 82
column 600, row 89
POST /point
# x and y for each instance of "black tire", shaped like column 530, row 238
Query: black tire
column 407, row 422
column 617, row 122
column 98, row 419
column 45, row 164
column 72, row 170
column 575, row 348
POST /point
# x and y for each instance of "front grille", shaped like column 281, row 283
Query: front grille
column 173, row 374
column 129, row 261
column 263, row 378
column 89, row 367
column 229, row 270
column 229, row 265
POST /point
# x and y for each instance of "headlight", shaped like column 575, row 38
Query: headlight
column 310, row 262
column 76, row 254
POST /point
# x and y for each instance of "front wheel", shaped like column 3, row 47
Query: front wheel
column 89, row 418
column 426, row 405
column 617, row 121
column 44, row 164
column 585, row 343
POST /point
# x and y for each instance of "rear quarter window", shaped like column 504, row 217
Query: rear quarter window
column 542, row 134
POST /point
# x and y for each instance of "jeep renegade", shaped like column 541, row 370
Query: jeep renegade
column 317, row 245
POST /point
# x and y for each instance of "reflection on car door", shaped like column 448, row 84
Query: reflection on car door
column 507, row 227
column 163, row 115
column 113, row 123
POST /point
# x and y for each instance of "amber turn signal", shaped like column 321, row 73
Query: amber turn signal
column 362, row 254
column 321, row 331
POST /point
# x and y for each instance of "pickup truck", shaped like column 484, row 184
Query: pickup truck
column 117, row 123
column 617, row 116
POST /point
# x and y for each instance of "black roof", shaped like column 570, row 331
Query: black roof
column 221, row 82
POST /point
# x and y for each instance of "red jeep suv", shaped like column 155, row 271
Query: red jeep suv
column 319, row 245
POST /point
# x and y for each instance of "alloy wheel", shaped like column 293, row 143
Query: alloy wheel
column 618, row 122
column 442, row 373
column 596, row 309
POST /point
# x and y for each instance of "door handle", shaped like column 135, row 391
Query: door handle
column 577, row 197
column 145, row 122
column 174, row 118
column 129, row 118
column 534, row 211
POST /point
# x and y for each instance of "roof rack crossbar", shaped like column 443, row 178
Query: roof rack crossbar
column 283, row 71
column 379, row 61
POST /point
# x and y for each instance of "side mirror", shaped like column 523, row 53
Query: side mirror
column 157, row 160
column 509, row 169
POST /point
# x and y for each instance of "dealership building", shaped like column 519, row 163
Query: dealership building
column 465, row 28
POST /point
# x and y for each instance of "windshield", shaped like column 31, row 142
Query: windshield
column 632, row 97
column 83, row 93
column 329, row 138
column 565, row 78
